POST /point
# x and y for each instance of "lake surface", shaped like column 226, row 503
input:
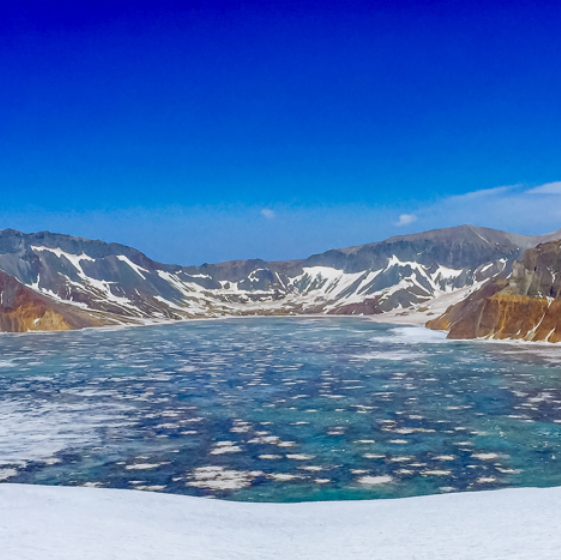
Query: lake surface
column 278, row 409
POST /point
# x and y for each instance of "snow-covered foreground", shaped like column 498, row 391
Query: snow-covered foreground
column 44, row 523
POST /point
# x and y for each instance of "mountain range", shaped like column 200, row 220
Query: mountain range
column 56, row 282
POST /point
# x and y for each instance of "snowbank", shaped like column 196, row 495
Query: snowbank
column 45, row 523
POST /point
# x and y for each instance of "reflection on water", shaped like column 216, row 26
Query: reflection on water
column 278, row 409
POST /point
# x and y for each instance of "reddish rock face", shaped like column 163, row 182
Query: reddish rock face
column 23, row 310
column 527, row 306
column 366, row 307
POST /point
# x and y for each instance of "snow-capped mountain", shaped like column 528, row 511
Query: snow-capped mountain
column 113, row 283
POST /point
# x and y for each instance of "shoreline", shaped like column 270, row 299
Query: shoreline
column 401, row 319
column 167, row 322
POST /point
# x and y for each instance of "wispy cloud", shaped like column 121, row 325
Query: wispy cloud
column 485, row 193
column 406, row 219
column 515, row 208
column 548, row 188
column 268, row 213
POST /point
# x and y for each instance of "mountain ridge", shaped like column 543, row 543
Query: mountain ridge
column 401, row 274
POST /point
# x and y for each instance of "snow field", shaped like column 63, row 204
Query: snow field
column 48, row 523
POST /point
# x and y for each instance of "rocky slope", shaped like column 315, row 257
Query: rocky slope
column 23, row 310
column 526, row 305
column 108, row 282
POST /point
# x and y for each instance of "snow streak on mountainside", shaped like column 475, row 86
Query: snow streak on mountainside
column 400, row 274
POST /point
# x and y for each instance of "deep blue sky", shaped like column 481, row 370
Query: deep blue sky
column 209, row 130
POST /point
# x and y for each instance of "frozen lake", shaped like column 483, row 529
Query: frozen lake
column 278, row 409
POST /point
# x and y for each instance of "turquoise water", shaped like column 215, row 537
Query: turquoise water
column 274, row 409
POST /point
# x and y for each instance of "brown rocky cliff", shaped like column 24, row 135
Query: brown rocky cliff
column 23, row 310
column 527, row 306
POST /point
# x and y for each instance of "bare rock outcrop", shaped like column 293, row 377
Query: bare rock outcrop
column 23, row 310
column 526, row 306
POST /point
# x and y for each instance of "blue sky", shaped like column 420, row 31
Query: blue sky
column 200, row 131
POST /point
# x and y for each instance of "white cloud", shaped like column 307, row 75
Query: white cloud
column 406, row 219
column 548, row 188
column 268, row 213
column 514, row 208
column 484, row 193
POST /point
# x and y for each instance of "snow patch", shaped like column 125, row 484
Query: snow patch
column 139, row 270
